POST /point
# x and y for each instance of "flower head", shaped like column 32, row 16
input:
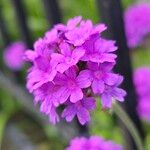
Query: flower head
column 93, row 143
column 13, row 55
column 137, row 23
column 70, row 65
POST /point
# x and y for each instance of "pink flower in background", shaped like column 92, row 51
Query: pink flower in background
column 143, row 108
column 142, row 85
column 137, row 23
column 13, row 55
column 71, row 65
column 92, row 143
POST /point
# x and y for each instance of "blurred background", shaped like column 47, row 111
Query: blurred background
column 22, row 127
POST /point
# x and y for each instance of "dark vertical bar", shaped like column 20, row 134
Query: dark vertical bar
column 4, row 36
column 3, row 29
column 52, row 11
column 22, row 21
column 112, row 15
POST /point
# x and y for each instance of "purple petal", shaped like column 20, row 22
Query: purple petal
column 107, row 66
column 30, row 55
column 73, row 22
column 76, row 95
column 119, row 94
column 99, row 28
column 51, row 36
column 62, row 67
column 65, row 49
column 93, row 66
column 62, row 94
column 69, row 113
column 42, row 63
column 57, row 57
column 46, row 106
column 60, row 27
column 106, row 100
column 71, row 72
column 111, row 78
column 107, row 58
column 98, row 86
column 89, row 103
column 77, row 53
column 53, row 116
column 103, row 46
column 119, row 81
column 83, row 115
column 60, row 79
column 84, row 79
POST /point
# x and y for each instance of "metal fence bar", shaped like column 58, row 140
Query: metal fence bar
column 112, row 15
column 52, row 11
column 3, row 29
column 22, row 21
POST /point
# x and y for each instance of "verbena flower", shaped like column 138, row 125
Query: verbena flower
column 13, row 55
column 137, row 23
column 92, row 143
column 71, row 65
column 142, row 85
column 81, row 109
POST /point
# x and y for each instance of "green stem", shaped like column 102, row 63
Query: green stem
column 3, row 121
column 129, row 124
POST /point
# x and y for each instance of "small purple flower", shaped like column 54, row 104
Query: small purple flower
column 81, row 109
column 43, row 69
column 100, row 75
column 112, row 92
column 92, row 143
column 43, row 72
column 13, row 55
column 67, row 58
column 71, row 65
column 72, row 85
column 137, row 23
column 78, row 36
column 46, row 96
column 99, row 50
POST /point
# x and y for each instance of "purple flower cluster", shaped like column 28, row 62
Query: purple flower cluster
column 13, row 55
column 93, row 143
column 142, row 85
column 71, row 64
column 137, row 23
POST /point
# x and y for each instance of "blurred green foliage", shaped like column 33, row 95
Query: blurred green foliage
column 103, row 123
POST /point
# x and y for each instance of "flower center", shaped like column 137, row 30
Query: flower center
column 71, row 84
column 98, row 74
column 69, row 60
